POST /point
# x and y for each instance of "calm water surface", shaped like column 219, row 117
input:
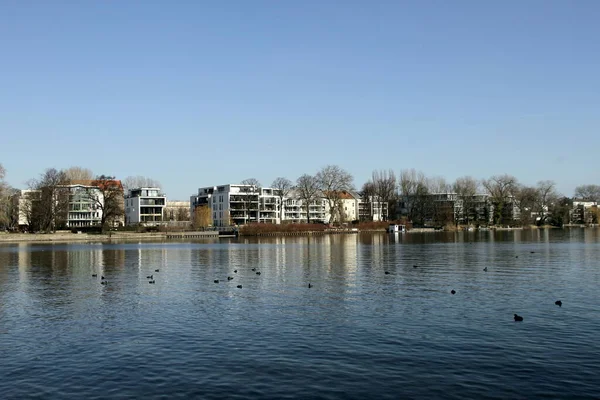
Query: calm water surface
column 357, row 333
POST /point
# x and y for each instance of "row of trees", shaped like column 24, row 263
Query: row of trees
column 46, row 203
column 501, row 199
column 411, row 194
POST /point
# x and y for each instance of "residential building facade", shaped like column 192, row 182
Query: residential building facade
column 236, row 204
column 145, row 206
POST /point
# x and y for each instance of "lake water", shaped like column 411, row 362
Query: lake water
column 357, row 333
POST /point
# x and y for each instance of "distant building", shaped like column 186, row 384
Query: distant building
column 296, row 211
column 83, row 208
column 371, row 208
column 145, row 206
column 24, row 202
column 177, row 211
column 234, row 204
column 584, row 212
column 348, row 207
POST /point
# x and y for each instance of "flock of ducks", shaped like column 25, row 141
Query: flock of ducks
column 103, row 281
column 516, row 317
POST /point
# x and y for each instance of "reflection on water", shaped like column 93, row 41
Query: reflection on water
column 357, row 333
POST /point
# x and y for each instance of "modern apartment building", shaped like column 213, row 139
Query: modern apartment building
column 23, row 204
column 295, row 210
column 83, row 209
column 584, row 212
column 145, row 206
column 234, row 204
column 372, row 209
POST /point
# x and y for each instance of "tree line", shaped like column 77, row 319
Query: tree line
column 45, row 205
column 410, row 194
column 423, row 200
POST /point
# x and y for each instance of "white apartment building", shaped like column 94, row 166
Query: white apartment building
column 23, row 202
column 295, row 210
column 372, row 209
column 145, row 206
column 234, row 204
column 83, row 209
column 348, row 207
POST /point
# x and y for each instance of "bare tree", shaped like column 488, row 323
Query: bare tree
column 500, row 188
column 588, row 192
column 283, row 186
column 108, row 198
column 414, row 195
column 5, row 200
column 466, row 188
column 546, row 196
column 252, row 182
column 438, row 184
column 526, row 199
column 202, row 216
column 50, row 211
column 133, row 182
column 385, row 184
column 333, row 181
column 367, row 195
column 78, row 174
column 308, row 191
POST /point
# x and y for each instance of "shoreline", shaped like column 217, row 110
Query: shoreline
column 168, row 236
column 74, row 237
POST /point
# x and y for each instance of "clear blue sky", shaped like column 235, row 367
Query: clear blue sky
column 196, row 93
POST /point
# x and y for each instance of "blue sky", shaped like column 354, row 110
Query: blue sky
column 196, row 93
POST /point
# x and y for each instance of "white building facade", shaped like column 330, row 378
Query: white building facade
column 236, row 204
column 145, row 206
column 83, row 210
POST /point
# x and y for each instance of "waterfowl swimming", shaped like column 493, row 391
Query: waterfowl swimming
column 103, row 278
column 216, row 281
column 157, row 270
column 532, row 252
column 518, row 318
column 150, row 277
column 257, row 272
column 309, row 285
column 239, row 286
column 558, row 303
column 453, row 291
column 94, row 275
column 104, row 283
column 253, row 269
column 387, row 272
column 485, row 269
column 152, row 281
column 415, row 266
column 235, row 271
column 229, row 278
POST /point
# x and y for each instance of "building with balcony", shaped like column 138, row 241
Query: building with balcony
column 84, row 208
column 145, row 206
column 372, row 209
column 234, row 204
column 296, row 211
column 584, row 212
